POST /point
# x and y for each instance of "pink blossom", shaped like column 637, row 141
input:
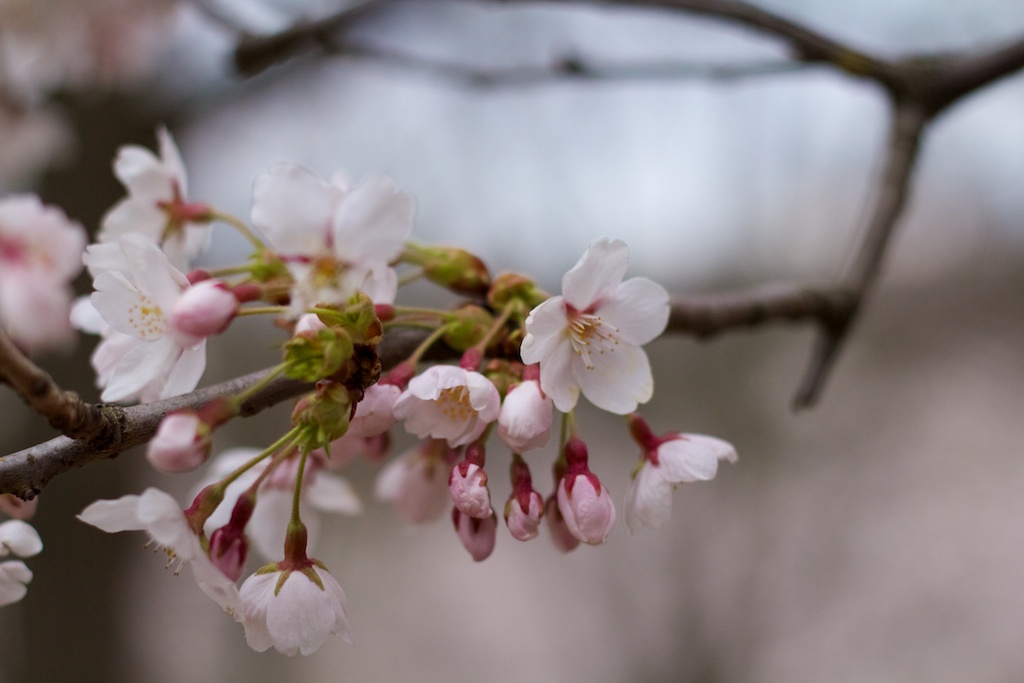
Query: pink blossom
column 416, row 481
column 589, row 338
column 17, row 508
column 182, row 443
column 156, row 206
column 448, row 402
column 376, row 412
column 203, row 310
column 467, row 485
column 583, row 500
column 40, row 253
column 335, row 239
column 477, row 535
column 524, row 423
column 561, row 535
column 524, row 521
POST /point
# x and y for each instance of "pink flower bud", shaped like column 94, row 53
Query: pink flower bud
column 17, row 508
column 204, row 309
column 524, row 423
column 467, row 485
column 309, row 322
column 229, row 550
column 477, row 535
column 524, row 523
column 583, row 500
column 182, row 443
column 561, row 536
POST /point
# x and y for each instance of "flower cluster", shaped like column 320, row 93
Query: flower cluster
column 327, row 262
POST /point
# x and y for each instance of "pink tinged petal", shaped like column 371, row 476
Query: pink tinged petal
column 417, row 487
column 546, row 331
column 108, row 354
column 14, row 580
column 375, row 414
column 469, row 491
column 181, row 443
column 483, row 397
column 202, row 310
column 152, row 271
column 17, row 508
column 561, row 536
column 255, row 595
column 648, row 499
column 186, row 371
column 329, row 493
column 638, row 311
column 694, row 457
column 20, row 538
column 524, row 524
column 35, row 311
column 165, row 521
column 524, row 423
column 293, row 209
column 589, row 514
column 597, row 274
column 372, row 222
column 125, row 308
column 85, row 317
column 104, row 257
column 380, row 284
column 618, row 380
column 477, row 535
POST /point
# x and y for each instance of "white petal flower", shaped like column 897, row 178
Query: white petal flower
column 448, row 402
column 156, row 202
column 136, row 295
column 14, row 580
column 157, row 513
column 524, row 423
column 687, row 458
column 294, row 610
column 589, row 338
column 40, row 253
column 21, row 539
column 336, row 240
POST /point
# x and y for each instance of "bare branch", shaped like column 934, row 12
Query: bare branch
column 908, row 125
column 64, row 410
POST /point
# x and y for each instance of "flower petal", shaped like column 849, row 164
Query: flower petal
column 20, row 538
column 596, row 275
column 293, row 209
column 617, row 382
column 639, row 310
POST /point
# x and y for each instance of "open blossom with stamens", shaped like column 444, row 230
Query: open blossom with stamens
column 668, row 461
column 156, row 206
column 21, row 539
column 589, row 338
column 448, row 402
column 157, row 513
column 336, row 239
column 40, row 252
column 137, row 290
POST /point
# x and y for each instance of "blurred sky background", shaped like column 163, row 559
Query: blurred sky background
column 875, row 537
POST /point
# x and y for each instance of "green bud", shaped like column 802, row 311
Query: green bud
column 312, row 356
column 323, row 416
column 358, row 318
column 451, row 267
column 512, row 286
column 468, row 327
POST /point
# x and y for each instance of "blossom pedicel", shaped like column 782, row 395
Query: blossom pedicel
column 327, row 270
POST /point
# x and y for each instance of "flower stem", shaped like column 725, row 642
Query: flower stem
column 238, row 225
column 260, row 310
column 244, row 395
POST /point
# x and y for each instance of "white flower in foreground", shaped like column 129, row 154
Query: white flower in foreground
column 335, row 239
column 322, row 492
column 136, row 294
column 675, row 459
column 293, row 610
column 40, row 253
column 447, row 402
column 157, row 513
column 22, row 540
column 156, row 205
column 589, row 338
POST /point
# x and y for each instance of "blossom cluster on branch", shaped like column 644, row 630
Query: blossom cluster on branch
column 328, row 260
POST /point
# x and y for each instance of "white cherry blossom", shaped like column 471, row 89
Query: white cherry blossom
column 293, row 610
column 336, row 239
column 40, row 253
column 156, row 205
column 136, row 294
column 589, row 338
column 158, row 514
column 21, row 539
column 448, row 402
column 682, row 459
